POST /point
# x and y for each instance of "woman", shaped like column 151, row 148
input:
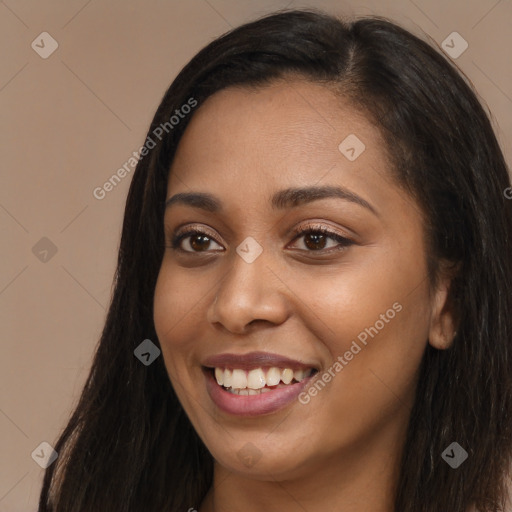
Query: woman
column 317, row 241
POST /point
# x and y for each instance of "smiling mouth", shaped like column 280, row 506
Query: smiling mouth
column 258, row 380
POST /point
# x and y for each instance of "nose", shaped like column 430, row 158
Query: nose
column 249, row 294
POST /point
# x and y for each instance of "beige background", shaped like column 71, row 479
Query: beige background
column 71, row 120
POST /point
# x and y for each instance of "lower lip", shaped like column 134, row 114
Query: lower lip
column 252, row 405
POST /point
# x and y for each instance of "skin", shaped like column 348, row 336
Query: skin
column 341, row 451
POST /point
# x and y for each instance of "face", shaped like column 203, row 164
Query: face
column 299, row 283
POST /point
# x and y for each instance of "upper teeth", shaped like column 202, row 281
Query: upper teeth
column 257, row 379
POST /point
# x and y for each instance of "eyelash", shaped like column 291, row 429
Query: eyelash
column 297, row 233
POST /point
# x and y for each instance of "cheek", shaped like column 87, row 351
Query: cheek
column 375, row 349
column 375, row 317
column 385, row 296
column 175, row 309
column 175, row 314
column 179, row 297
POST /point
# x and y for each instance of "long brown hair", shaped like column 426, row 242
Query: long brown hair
column 129, row 445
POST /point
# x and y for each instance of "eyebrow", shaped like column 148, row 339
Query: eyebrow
column 287, row 198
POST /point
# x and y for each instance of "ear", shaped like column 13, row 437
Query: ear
column 443, row 317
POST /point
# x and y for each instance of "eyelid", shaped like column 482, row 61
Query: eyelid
column 179, row 231
column 319, row 226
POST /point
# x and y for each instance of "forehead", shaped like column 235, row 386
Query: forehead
column 249, row 142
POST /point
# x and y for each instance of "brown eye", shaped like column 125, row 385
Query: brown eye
column 198, row 241
column 316, row 239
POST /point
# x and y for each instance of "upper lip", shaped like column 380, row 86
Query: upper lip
column 253, row 360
